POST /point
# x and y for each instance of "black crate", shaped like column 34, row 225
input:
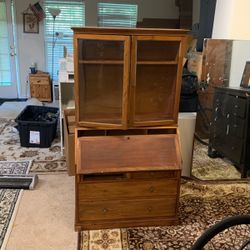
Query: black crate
column 37, row 126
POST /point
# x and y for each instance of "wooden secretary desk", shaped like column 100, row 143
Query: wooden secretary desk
column 127, row 91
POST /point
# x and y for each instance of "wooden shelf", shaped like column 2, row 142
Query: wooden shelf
column 101, row 62
column 157, row 62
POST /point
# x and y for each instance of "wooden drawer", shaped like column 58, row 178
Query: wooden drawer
column 41, row 81
column 126, row 189
column 127, row 209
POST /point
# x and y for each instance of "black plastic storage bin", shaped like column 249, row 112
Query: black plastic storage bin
column 37, row 126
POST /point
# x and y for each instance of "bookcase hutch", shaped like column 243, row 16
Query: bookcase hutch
column 127, row 91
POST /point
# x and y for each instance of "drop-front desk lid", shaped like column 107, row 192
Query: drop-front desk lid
column 109, row 154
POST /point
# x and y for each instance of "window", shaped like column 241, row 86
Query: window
column 72, row 14
column 121, row 15
column 5, row 66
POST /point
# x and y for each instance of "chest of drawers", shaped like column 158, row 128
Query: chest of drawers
column 40, row 86
column 230, row 127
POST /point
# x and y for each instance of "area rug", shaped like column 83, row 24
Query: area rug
column 201, row 205
column 206, row 168
column 9, row 198
column 43, row 159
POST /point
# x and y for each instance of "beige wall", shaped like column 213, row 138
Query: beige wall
column 30, row 47
column 231, row 20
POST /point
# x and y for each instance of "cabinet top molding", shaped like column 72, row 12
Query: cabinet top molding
column 130, row 31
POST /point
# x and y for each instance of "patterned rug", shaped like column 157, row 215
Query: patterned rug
column 201, row 205
column 9, row 198
column 43, row 159
column 206, row 168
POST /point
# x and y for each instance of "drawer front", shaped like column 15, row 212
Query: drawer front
column 41, row 81
column 126, row 209
column 126, row 189
column 237, row 127
column 235, row 151
column 236, row 106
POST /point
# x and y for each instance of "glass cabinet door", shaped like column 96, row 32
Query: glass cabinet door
column 155, row 71
column 102, row 80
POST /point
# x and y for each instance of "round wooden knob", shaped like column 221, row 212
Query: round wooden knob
column 149, row 209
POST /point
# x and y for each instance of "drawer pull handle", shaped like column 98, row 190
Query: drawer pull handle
column 104, row 210
column 151, row 189
column 149, row 209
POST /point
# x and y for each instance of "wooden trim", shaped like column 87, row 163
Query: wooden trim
column 126, row 71
column 159, row 38
column 157, row 63
column 130, row 31
column 179, row 78
column 99, row 125
column 100, row 62
column 133, row 79
column 159, row 221
column 101, row 37
column 155, row 123
column 76, row 77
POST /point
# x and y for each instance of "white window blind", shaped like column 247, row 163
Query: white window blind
column 5, row 66
column 72, row 15
column 116, row 14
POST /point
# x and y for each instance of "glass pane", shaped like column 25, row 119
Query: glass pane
column 100, row 93
column 5, row 78
column 155, row 92
column 100, row 50
column 157, row 50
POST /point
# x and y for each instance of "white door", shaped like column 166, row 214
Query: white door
column 8, row 73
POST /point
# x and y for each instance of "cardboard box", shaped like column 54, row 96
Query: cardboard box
column 69, row 139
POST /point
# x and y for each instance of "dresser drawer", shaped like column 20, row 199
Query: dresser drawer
column 112, row 190
column 126, row 209
column 41, row 81
column 237, row 127
column 237, row 106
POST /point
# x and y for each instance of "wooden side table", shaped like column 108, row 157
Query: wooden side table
column 40, row 86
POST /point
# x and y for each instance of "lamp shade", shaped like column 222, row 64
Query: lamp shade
column 54, row 12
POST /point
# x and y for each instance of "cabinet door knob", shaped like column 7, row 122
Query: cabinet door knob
column 151, row 189
column 149, row 209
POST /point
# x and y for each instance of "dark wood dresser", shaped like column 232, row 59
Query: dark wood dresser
column 230, row 126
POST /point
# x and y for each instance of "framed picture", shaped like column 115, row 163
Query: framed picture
column 30, row 23
column 245, row 80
